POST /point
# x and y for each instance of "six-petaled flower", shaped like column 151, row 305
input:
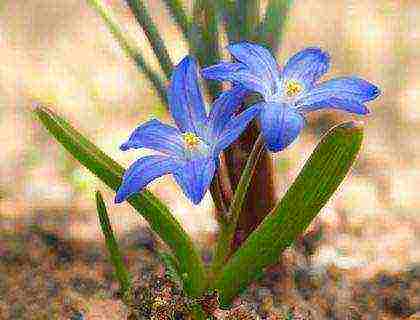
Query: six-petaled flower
column 190, row 151
column 291, row 92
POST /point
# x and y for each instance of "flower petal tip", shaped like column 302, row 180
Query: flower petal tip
column 119, row 198
column 196, row 201
column 375, row 92
column 124, row 147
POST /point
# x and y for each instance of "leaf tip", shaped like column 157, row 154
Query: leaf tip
column 39, row 110
column 352, row 128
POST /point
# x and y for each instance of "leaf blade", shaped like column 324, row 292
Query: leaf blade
column 121, row 272
column 141, row 13
column 152, row 209
column 180, row 16
column 271, row 29
column 322, row 174
column 129, row 48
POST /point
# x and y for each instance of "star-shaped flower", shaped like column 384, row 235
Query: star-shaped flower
column 190, row 151
column 290, row 92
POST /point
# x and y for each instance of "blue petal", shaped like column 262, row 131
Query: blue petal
column 224, row 108
column 259, row 61
column 306, row 66
column 221, row 71
column 157, row 136
column 239, row 74
column 351, row 106
column 195, row 176
column 235, row 127
column 185, row 99
column 142, row 172
column 280, row 125
column 346, row 93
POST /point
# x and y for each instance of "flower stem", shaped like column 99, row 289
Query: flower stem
column 227, row 231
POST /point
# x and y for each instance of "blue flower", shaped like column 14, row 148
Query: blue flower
column 291, row 92
column 190, row 151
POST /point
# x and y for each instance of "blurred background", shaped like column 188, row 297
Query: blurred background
column 362, row 254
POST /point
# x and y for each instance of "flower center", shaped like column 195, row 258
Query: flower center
column 191, row 140
column 293, row 88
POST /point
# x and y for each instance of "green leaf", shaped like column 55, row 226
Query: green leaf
column 227, row 230
column 248, row 13
column 316, row 183
column 171, row 267
column 204, row 39
column 240, row 18
column 152, row 209
column 141, row 13
column 130, row 49
column 270, row 31
column 181, row 18
column 121, row 272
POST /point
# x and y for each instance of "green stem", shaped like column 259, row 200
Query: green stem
column 218, row 199
column 227, row 231
column 121, row 272
column 152, row 33
column 129, row 47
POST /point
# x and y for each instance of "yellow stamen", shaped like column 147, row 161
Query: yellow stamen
column 191, row 140
column 293, row 88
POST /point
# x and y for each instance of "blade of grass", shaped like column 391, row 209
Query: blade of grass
column 249, row 18
column 204, row 42
column 181, row 18
column 226, row 10
column 121, row 272
column 141, row 13
column 152, row 209
column 315, row 184
column 130, row 49
column 240, row 18
column 270, row 30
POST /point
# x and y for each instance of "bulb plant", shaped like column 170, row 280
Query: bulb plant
column 265, row 104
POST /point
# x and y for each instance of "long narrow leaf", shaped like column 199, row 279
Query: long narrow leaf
column 226, row 10
column 181, row 18
column 240, row 18
column 204, row 40
column 141, row 13
column 248, row 13
column 271, row 28
column 129, row 48
column 152, row 209
column 318, row 180
column 121, row 272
